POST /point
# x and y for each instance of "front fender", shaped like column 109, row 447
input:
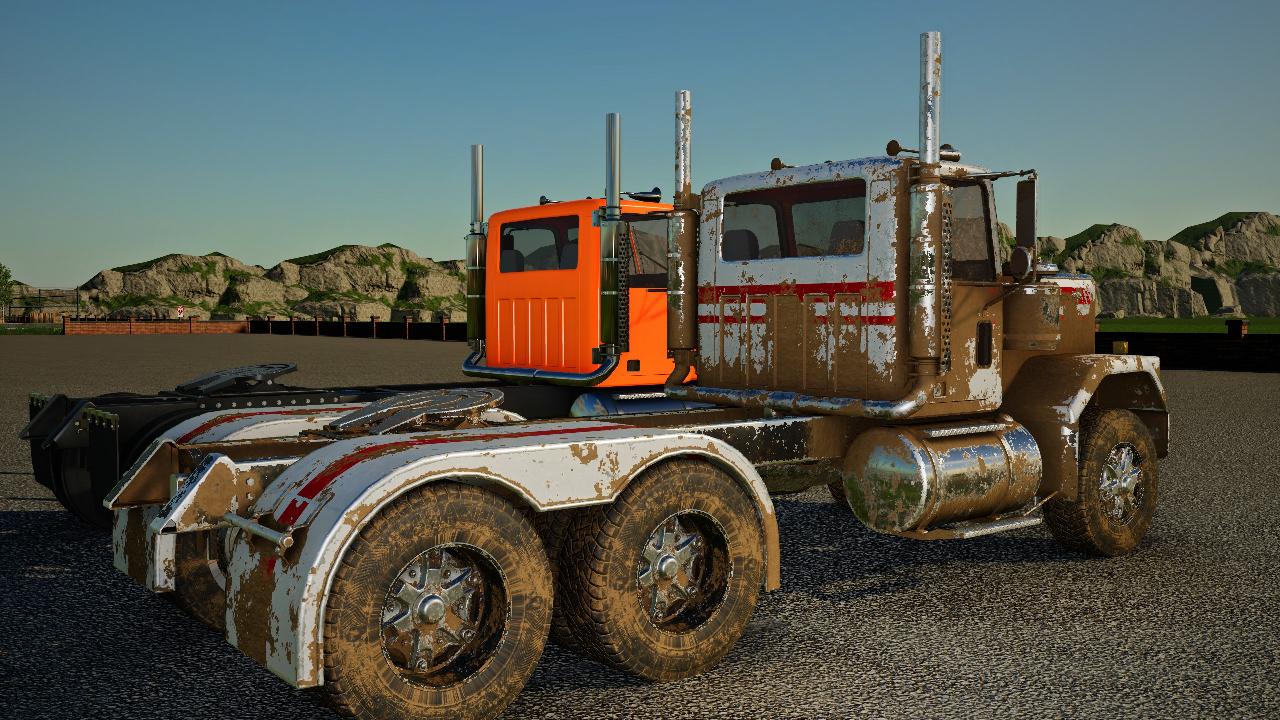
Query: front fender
column 275, row 607
column 1052, row 392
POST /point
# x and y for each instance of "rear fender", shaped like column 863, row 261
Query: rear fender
column 251, row 423
column 275, row 607
column 1052, row 392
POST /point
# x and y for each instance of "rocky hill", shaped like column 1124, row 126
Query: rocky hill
column 354, row 281
column 1227, row 266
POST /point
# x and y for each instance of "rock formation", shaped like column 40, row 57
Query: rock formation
column 1227, row 266
column 353, row 281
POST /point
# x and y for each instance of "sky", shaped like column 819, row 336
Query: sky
column 269, row 130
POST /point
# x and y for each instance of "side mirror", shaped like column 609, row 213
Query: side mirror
column 1023, row 260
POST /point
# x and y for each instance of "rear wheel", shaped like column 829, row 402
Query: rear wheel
column 662, row 582
column 200, row 582
column 1117, row 484
column 440, row 609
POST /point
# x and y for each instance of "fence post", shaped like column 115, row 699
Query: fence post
column 373, row 327
column 444, row 329
column 130, row 324
column 406, row 327
column 191, row 325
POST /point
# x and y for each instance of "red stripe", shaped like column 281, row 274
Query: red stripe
column 325, row 477
column 224, row 419
column 710, row 294
column 819, row 319
column 1085, row 297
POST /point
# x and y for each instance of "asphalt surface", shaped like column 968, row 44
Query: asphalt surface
column 865, row 625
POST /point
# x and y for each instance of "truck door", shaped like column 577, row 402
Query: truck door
column 535, row 295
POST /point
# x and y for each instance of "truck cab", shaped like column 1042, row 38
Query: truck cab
column 542, row 290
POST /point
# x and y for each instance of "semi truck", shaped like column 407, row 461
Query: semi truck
column 847, row 321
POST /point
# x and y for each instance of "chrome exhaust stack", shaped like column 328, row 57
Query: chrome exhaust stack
column 929, row 284
column 682, row 243
column 613, row 321
column 476, row 253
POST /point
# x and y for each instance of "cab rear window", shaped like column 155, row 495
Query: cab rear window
column 542, row 244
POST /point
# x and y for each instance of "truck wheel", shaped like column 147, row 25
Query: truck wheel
column 440, row 608
column 664, row 580
column 1116, row 494
column 557, row 529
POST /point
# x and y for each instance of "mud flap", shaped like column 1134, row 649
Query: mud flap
column 149, row 557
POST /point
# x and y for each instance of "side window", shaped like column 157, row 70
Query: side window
column 830, row 227
column 542, row 244
column 971, row 234
column 749, row 231
column 797, row 221
column 648, row 248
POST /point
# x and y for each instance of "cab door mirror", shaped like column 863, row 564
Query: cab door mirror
column 1023, row 260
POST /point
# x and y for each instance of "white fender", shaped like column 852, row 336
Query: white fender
column 275, row 607
column 255, row 423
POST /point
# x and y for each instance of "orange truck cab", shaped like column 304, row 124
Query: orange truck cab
column 541, row 294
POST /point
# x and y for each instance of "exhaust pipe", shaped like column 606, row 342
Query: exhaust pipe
column 684, row 135
column 682, row 242
column 929, row 286
column 613, row 330
column 476, row 253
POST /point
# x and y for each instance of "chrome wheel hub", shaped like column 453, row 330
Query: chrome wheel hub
column 432, row 610
column 672, row 568
column 1120, row 486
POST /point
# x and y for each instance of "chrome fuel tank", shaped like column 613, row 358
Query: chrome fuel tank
column 909, row 478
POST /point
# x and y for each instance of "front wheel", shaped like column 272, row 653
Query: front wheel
column 440, row 609
column 662, row 582
column 1117, row 484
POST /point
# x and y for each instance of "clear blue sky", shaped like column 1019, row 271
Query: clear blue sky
column 271, row 130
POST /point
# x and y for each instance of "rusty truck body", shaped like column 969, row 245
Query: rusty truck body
column 849, row 324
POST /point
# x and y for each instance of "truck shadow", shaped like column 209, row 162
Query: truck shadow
column 78, row 639
column 829, row 555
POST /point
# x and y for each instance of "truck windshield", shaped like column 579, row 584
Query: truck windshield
column 971, row 234
column 542, row 244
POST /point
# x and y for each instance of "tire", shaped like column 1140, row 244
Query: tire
column 200, row 582
column 557, row 528
column 1108, row 518
column 839, row 496
column 616, row 577
column 484, row 605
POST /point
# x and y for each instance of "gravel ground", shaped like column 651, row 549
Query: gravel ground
column 864, row 625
